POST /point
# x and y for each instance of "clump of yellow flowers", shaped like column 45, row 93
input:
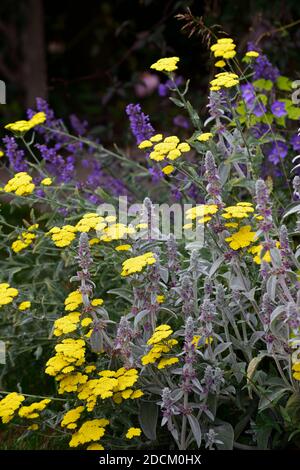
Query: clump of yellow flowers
column 224, row 48
column 21, row 184
column 137, row 263
column 9, row 405
column 7, row 293
column 168, row 64
column 25, row 239
column 224, row 80
column 21, row 127
column 169, row 148
column 160, row 344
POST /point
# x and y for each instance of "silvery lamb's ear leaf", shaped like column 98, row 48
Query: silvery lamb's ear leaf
column 271, row 396
column 139, row 317
column 253, row 364
column 164, row 274
column 271, row 287
column 196, row 430
column 215, row 266
column 226, row 435
column 148, row 419
column 292, row 210
column 277, row 312
column 221, row 347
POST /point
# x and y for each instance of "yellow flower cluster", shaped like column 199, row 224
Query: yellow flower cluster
column 24, row 305
column 168, row 147
column 204, row 137
column 252, row 54
column 32, row 411
column 25, row 239
column 112, row 232
column 202, row 212
column 95, row 446
column 257, row 251
column 133, row 432
column 167, row 64
column 240, row 211
column 71, row 417
column 66, row 324
column 69, row 353
column 20, row 127
column 89, row 221
column 91, row 430
column 224, row 48
column 160, row 344
column 70, row 382
column 224, row 79
column 7, row 293
column 62, row 236
column 9, row 405
column 116, row 384
column 73, row 300
column 242, row 238
column 123, row 248
column 46, row 181
column 21, row 184
column 296, row 370
column 137, row 264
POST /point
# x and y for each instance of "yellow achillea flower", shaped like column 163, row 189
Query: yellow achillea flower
column 89, row 221
column 9, row 405
column 224, row 79
column 7, row 293
column 95, row 446
column 70, row 418
column 161, row 332
column 123, row 248
column 66, row 324
column 71, row 381
column 168, row 148
column 157, row 350
column 220, row 63
column 137, row 264
column 25, row 239
column 62, row 236
column 252, row 54
column 1, row 154
column 197, row 338
column 167, row 170
column 244, row 237
column 160, row 299
column 73, row 300
column 21, row 127
column 90, row 431
column 31, row 411
column 24, row 305
column 69, row 353
column 168, row 64
column 296, row 370
column 21, row 184
column 46, row 182
column 97, row 302
column 167, row 362
column 224, row 47
column 257, row 251
column 203, row 211
column 116, row 231
column 240, row 211
column 204, row 137
column 133, row 432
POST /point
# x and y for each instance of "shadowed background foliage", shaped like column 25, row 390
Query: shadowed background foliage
column 92, row 58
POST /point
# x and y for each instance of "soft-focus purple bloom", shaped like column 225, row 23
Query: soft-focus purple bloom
column 278, row 109
column 248, row 94
column 80, row 127
column 181, row 121
column 156, row 174
column 264, row 69
column 164, row 88
column 277, row 152
column 260, row 130
column 14, row 154
column 259, row 109
column 139, row 123
column 295, row 141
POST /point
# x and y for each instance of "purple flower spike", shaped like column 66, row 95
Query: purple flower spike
column 139, row 123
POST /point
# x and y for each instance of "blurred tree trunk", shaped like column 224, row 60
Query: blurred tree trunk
column 34, row 53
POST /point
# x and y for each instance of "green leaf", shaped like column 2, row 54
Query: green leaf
column 177, row 102
column 293, row 113
column 263, row 84
column 226, row 435
column 284, row 83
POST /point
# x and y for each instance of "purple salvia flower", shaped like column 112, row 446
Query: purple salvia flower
column 14, row 154
column 80, row 127
column 139, row 123
column 164, row 88
column 181, row 121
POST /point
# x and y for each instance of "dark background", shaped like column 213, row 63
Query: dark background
column 91, row 57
